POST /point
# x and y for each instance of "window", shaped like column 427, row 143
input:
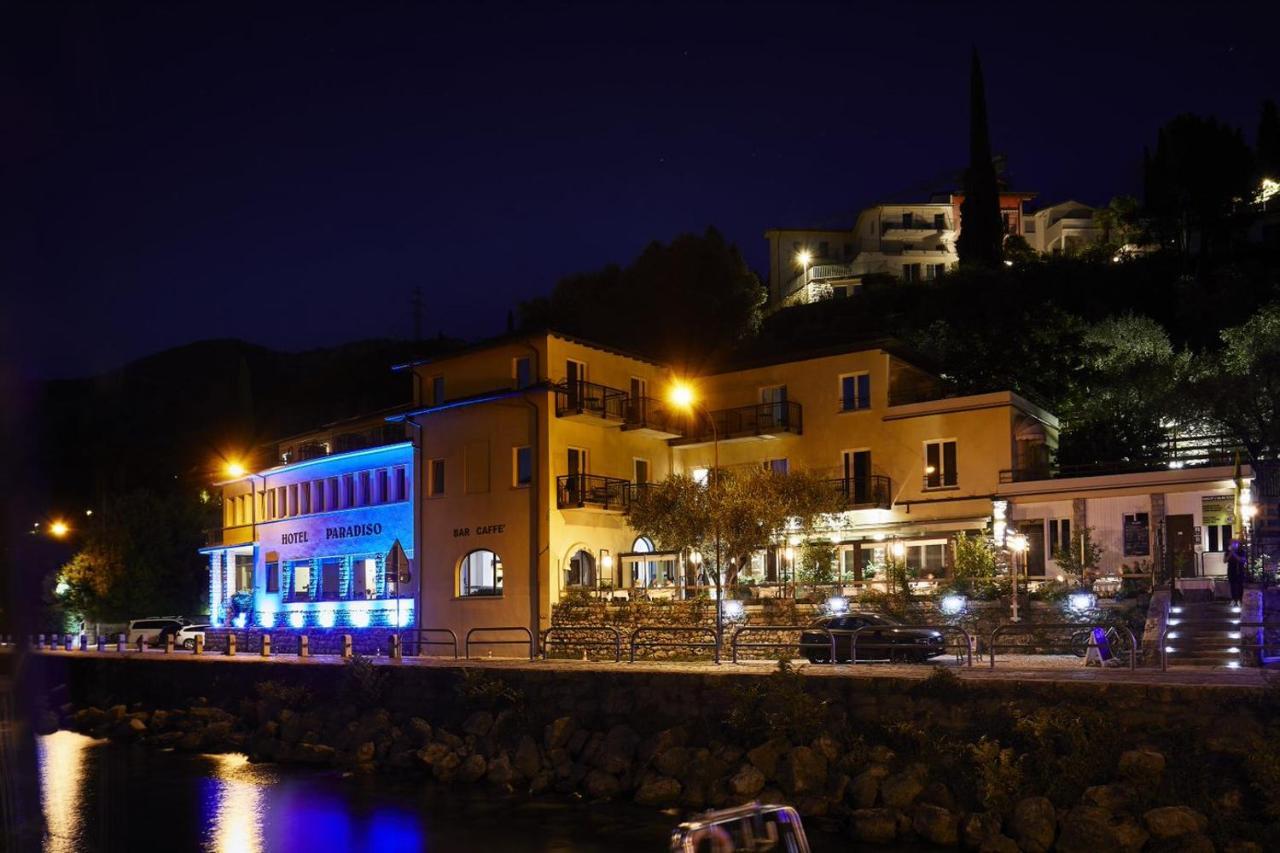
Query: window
column 401, row 485
column 522, row 371
column 282, row 501
column 935, row 271
column 383, row 482
column 1029, row 226
column 839, row 291
column 1059, row 534
column 437, row 390
column 910, row 272
column 480, row 573
column 940, row 464
column 304, row 498
column 775, row 466
column 271, row 503
column 522, row 466
column 366, row 493
column 273, row 576
column 640, row 470
column 330, row 578
column 1219, row 536
column 435, row 477
column 364, row 580
column 824, row 249
column 293, row 499
column 940, row 222
column 581, row 570
column 302, row 579
column 331, row 493
column 855, row 392
column 244, row 573
column 348, row 491
column 317, row 495
column 848, row 250
column 1137, row 534
column 907, row 220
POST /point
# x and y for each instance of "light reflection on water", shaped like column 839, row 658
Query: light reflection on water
column 100, row 796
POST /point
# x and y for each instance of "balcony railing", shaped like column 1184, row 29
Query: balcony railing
column 648, row 413
column 744, row 421
column 237, row 534
column 874, row 490
column 922, row 224
column 1174, row 453
column 588, row 398
column 583, row 490
column 338, row 442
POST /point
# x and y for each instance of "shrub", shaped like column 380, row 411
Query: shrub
column 363, row 684
column 776, row 705
column 999, row 773
column 483, row 692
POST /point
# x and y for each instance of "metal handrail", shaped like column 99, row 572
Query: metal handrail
column 734, row 645
column 419, row 642
column 580, row 490
column 853, row 644
column 1032, row 626
column 1239, row 627
column 617, row 638
column 528, row 634
column 714, row 645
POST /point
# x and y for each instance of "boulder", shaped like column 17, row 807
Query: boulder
column 137, row 727
column 874, row 826
column 936, row 825
column 766, row 755
column 557, row 733
column 659, row 791
column 880, row 754
column 673, row 762
column 1141, row 765
column 826, row 746
column 364, row 752
column 601, row 785
column 618, row 749
column 1115, row 798
column 528, row 760
column 662, row 741
column 1033, row 824
column 578, row 741
column 901, row 789
column 1240, row 846
column 116, row 713
column 938, row 794
column 88, row 719
column 865, row 787
column 980, row 826
column 1086, row 829
column 1168, row 822
column 747, row 782
column 432, row 752
column 478, row 724
column 999, row 844
column 1128, row 832
column 1195, row 842
column 473, row 768
column 449, row 739
column 802, row 771
column 421, row 730
column 446, row 769
column 500, row 770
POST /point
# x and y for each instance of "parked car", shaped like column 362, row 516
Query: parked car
column 152, row 628
column 186, row 636
column 883, row 639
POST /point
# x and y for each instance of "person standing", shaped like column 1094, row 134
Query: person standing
column 1235, row 572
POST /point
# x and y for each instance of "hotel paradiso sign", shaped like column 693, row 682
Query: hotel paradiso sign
column 320, row 535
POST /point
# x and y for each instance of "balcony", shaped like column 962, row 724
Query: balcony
column 314, row 447
column 649, row 417
column 871, row 492
column 579, row 491
column 240, row 534
column 917, row 227
column 761, row 421
column 587, row 401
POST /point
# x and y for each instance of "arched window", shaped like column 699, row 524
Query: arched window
column 642, row 545
column 480, row 573
column 582, row 569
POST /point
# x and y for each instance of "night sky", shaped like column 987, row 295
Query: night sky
column 287, row 175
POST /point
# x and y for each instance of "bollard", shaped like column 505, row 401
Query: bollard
column 84, row 642
column 141, row 641
column 231, row 645
column 67, row 642
column 121, row 642
column 40, row 641
column 304, row 646
column 102, row 642
column 394, row 651
column 168, row 644
column 198, row 648
column 346, row 646
column 266, row 645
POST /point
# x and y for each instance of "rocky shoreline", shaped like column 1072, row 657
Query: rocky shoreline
column 892, row 787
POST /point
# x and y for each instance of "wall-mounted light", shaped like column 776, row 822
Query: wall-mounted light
column 953, row 605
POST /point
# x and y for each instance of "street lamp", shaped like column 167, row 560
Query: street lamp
column 682, row 396
column 1018, row 545
column 804, row 258
column 59, row 529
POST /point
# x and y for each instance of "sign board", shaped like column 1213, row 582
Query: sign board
column 1217, row 509
column 1099, row 649
column 1137, row 535
column 398, row 565
column 1199, row 532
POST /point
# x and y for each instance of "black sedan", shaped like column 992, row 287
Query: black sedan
column 881, row 639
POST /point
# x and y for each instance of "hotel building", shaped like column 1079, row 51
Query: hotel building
column 305, row 540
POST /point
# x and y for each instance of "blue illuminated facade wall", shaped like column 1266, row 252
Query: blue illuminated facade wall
column 321, row 531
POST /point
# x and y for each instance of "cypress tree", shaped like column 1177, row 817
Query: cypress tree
column 981, row 229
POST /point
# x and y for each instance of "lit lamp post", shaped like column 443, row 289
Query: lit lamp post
column 683, row 397
column 804, row 258
column 1017, row 545
column 899, row 552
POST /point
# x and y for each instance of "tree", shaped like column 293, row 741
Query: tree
column 1125, row 394
column 1079, row 558
column 1195, row 183
column 139, row 557
column 676, row 514
column 1268, row 149
column 981, row 228
column 682, row 302
column 1240, row 384
column 1121, row 225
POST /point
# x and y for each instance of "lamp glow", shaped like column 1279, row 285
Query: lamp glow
column 240, row 620
column 733, row 609
column 59, row 529
column 803, row 258
column 267, row 618
column 1081, row 601
column 328, row 615
column 954, row 604
column 235, row 469
column 899, row 550
column 838, row 604
column 360, row 616
column 1018, row 542
column 296, row 618
column 681, row 395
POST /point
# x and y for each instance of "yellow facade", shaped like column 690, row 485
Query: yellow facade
column 591, row 439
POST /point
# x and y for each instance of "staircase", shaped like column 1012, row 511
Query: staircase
column 1204, row 634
